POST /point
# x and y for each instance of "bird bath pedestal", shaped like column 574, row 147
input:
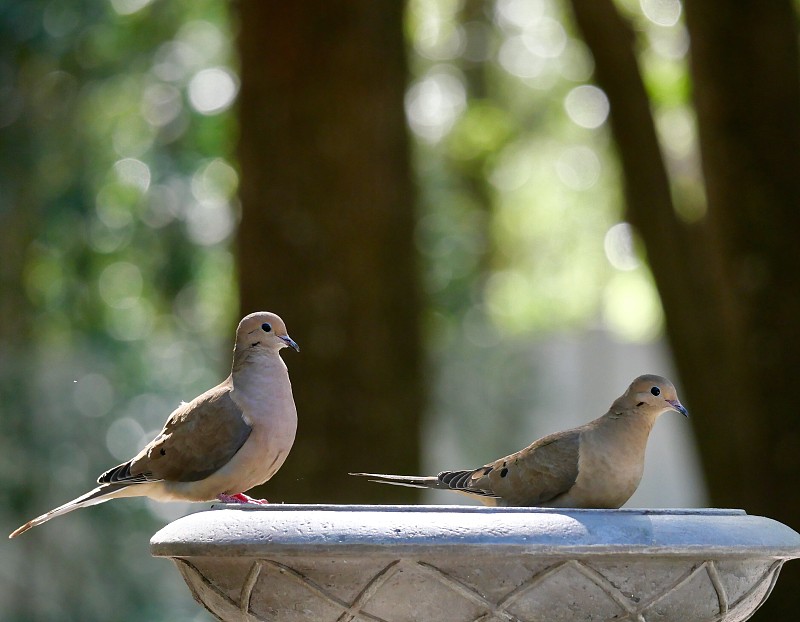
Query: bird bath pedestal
column 472, row 564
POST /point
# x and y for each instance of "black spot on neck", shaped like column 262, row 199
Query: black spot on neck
column 639, row 404
column 503, row 472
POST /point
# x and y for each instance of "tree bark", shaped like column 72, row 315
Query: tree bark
column 744, row 65
column 727, row 284
column 326, row 237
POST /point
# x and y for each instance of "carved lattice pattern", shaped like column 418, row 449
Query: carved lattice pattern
column 437, row 594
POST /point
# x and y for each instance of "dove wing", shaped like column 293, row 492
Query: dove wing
column 530, row 477
column 198, row 439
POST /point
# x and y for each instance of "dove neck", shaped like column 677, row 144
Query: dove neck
column 638, row 419
column 258, row 360
column 624, row 434
column 259, row 378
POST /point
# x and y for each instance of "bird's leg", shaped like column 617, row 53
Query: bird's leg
column 240, row 497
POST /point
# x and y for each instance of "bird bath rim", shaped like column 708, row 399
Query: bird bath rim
column 253, row 530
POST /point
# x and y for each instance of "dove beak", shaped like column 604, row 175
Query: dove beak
column 290, row 342
column 676, row 405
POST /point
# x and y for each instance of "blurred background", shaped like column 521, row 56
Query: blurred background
column 479, row 219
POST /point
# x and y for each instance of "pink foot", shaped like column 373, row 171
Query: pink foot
column 240, row 497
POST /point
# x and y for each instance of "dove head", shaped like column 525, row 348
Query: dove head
column 262, row 332
column 652, row 395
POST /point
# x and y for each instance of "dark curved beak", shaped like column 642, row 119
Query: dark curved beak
column 290, row 342
column 679, row 407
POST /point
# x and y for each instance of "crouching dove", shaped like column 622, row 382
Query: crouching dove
column 225, row 441
column 596, row 465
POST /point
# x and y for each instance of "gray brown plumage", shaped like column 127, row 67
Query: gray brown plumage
column 596, row 465
column 222, row 443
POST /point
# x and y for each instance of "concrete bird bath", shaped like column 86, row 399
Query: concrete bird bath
column 473, row 564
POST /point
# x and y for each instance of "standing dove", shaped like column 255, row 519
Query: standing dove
column 596, row 465
column 225, row 441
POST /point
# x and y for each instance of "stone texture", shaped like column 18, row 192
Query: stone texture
column 470, row 564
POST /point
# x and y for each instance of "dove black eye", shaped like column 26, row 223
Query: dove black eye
column 655, row 391
column 266, row 327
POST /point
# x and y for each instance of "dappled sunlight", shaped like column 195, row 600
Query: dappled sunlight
column 161, row 104
column 163, row 204
column 438, row 36
column 519, row 14
column 526, row 55
column 120, row 112
column 434, row 103
column 134, row 173
column 669, row 43
column 631, row 307
column 587, row 106
column 129, row 7
column 619, row 247
column 550, row 214
column 212, row 90
column 662, row 12
column 578, row 168
column 215, row 180
column 209, row 222
column 122, row 438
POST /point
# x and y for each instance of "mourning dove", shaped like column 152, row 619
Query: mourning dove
column 596, row 465
column 225, row 441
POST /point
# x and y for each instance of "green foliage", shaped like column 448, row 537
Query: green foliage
column 521, row 189
column 480, row 132
column 119, row 198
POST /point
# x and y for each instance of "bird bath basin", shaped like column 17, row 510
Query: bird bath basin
column 474, row 564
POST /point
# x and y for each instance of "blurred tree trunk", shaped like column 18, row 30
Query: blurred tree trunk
column 326, row 238
column 747, row 98
column 727, row 282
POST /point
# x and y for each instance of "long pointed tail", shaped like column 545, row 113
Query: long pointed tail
column 411, row 481
column 93, row 497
